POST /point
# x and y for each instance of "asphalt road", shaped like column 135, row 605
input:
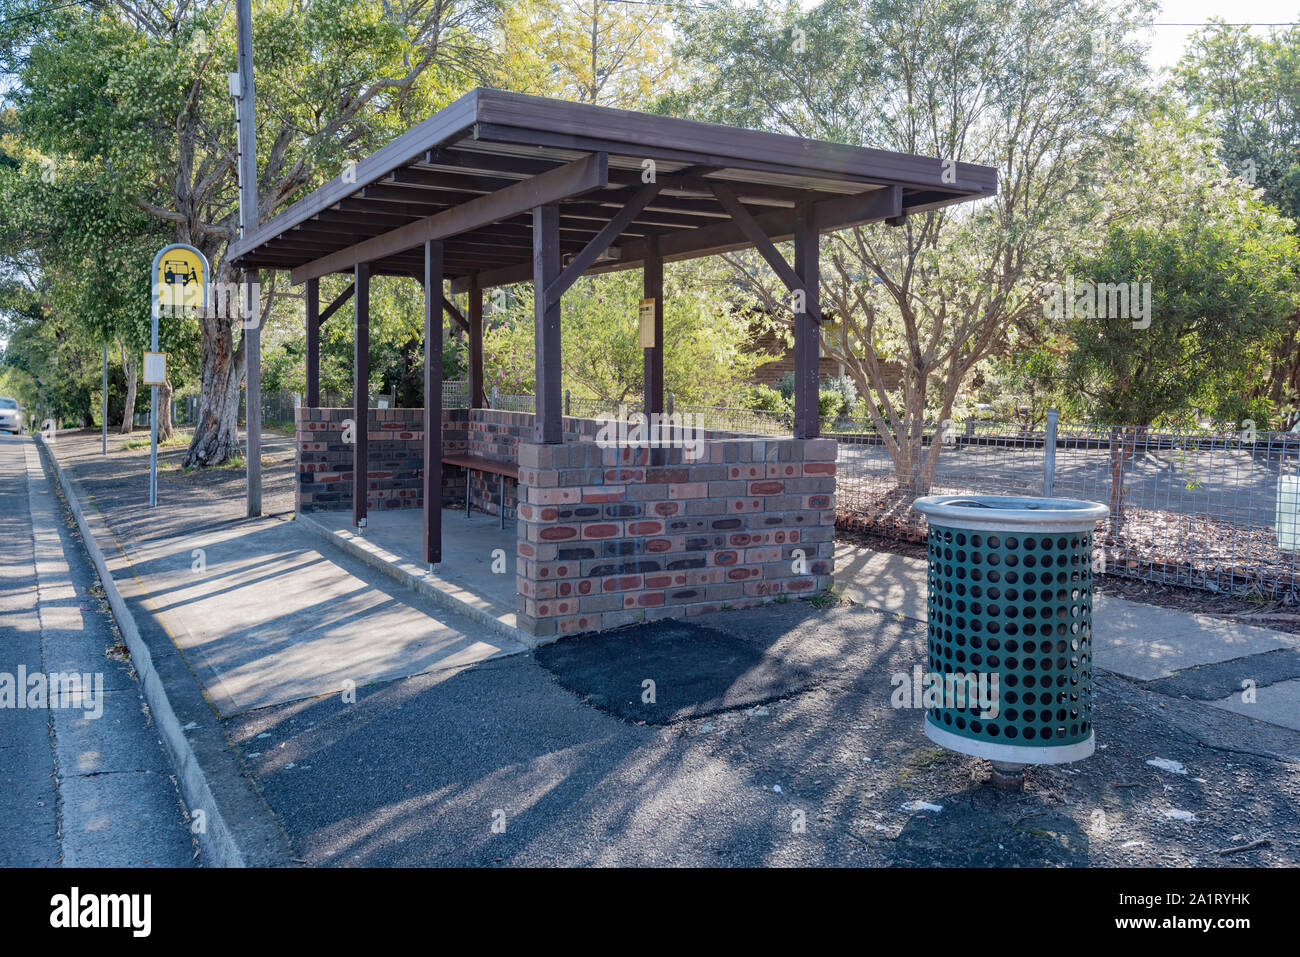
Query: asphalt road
column 85, row 780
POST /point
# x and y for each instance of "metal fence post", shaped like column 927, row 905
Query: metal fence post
column 1049, row 453
column 496, row 398
column 568, row 407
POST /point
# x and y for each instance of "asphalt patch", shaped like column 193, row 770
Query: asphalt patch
column 1219, row 680
column 695, row 670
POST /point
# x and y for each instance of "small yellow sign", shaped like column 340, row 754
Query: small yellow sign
column 180, row 278
column 646, row 317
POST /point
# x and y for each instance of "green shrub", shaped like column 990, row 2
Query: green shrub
column 763, row 398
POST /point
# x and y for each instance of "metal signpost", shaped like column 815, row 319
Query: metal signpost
column 180, row 283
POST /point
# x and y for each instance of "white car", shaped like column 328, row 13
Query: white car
column 11, row 415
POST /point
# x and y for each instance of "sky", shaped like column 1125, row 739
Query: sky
column 1167, row 42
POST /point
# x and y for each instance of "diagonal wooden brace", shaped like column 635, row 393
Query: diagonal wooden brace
column 455, row 313
column 763, row 243
column 333, row 307
column 601, row 241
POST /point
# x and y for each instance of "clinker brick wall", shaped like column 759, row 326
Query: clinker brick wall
column 325, row 460
column 606, row 538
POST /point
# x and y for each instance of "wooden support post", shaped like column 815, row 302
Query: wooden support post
column 807, row 336
column 433, row 402
column 476, row 395
column 548, row 424
column 313, row 343
column 653, row 276
column 361, row 398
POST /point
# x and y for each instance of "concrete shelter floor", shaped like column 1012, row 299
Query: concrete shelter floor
column 469, row 547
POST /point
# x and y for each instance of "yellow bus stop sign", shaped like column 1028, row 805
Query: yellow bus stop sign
column 180, row 279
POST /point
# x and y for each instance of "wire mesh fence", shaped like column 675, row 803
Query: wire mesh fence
column 1193, row 507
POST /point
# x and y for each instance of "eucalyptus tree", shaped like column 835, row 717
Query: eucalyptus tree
column 608, row 52
column 1041, row 89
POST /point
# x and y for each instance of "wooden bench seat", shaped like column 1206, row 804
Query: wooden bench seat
column 480, row 464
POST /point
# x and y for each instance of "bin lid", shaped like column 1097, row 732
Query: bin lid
column 1011, row 512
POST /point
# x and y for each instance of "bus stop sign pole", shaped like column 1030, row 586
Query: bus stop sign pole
column 175, row 268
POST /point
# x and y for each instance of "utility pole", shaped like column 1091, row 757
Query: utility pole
column 241, row 87
column 103, row 408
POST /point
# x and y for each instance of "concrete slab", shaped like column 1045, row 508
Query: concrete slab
column 1276, row 703
column 1138, row 641
column 471, row 547
column 884, row 581
column 86, row 780
column 1148, row 642
column 266, row 618
column 85, row 745
column 476, row 577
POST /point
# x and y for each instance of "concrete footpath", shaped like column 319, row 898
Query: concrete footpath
column 322, row 714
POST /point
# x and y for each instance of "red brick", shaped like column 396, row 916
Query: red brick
column 604, row 493
column 620, row 583
column 556, row 533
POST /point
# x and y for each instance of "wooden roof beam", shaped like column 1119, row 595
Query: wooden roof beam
column 572, row 179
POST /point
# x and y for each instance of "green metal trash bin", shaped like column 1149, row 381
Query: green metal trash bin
column 1010, row 605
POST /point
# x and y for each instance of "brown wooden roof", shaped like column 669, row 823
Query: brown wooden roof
column 468, row 174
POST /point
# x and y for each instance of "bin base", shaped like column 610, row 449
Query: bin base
column 1010, row 753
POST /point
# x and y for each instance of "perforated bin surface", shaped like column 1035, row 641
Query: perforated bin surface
column 1018, row 605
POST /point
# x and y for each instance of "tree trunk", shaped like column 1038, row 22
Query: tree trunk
column 165, row 429
column 1123, row 444
column 128, row 407
column 216, row 428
